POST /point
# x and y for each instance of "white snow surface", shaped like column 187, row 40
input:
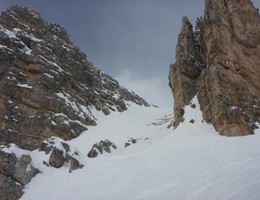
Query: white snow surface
column 24, row 85
column 191, row 162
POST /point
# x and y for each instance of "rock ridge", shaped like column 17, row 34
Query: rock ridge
column 220, row 62
column 47, row 85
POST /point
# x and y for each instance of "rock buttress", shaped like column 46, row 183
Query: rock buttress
column 227, row 44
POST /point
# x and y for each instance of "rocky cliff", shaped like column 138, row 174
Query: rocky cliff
column 47, row 85
column 220, row 63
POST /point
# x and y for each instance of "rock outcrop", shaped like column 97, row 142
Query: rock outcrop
column 47, row 86
column 15, row 172
column 220, row 62
column 130, row 142
column 100, row 147
column 59, row 152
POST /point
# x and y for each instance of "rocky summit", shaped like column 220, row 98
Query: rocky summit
column 220, row 63
column 47, row 85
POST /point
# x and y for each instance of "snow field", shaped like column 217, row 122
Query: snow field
column 192, row 162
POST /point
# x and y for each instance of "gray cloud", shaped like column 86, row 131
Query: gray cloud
column 152, row 88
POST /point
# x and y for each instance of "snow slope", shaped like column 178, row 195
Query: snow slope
column 192, row 162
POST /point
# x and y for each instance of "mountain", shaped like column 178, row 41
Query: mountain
column 70, row 131
column 220, row 63
column 48, row 86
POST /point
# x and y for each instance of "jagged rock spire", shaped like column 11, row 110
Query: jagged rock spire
column 183, row 74
column 227, row 44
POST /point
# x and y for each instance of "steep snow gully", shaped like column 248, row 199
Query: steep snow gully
column 191, row 162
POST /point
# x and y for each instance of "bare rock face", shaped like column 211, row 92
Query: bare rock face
column 185, row 72
column 47, row 86
column 9, row 189
column 24, row 170
column 15, row 172
column 220, row 62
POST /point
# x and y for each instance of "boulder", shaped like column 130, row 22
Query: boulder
column 57, row 158
column 73, row 163
column 59, row 152
column 127, row 144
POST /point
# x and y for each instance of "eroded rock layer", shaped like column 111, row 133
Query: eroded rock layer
column 220, row 62
column 47, row 86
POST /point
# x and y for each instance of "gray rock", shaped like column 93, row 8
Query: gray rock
column 24, row 171
column 127, row 144
column 133, row 141
column 7, row 164
column 15, row 173
column 193, row 105
column 100, row 147
column 57, row 158
column 10, row 189
column 73, row 163
column 192, row 121
column 93, row 153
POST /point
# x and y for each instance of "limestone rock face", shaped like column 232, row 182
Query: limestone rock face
column 47, row 86
column 185, row 72
column 220, row 62
column 15, row 172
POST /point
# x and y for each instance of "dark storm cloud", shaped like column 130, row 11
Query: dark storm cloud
column 119, row 36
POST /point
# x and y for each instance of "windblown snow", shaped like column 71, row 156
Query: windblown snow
column 190, row 163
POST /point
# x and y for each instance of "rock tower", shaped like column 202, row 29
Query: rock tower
column 220, row 63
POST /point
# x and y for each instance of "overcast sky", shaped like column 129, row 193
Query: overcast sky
column 132, row 40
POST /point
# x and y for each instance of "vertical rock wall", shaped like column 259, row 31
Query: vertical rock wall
column 220, row 62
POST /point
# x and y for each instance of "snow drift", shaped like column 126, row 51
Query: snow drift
column 191, row 162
